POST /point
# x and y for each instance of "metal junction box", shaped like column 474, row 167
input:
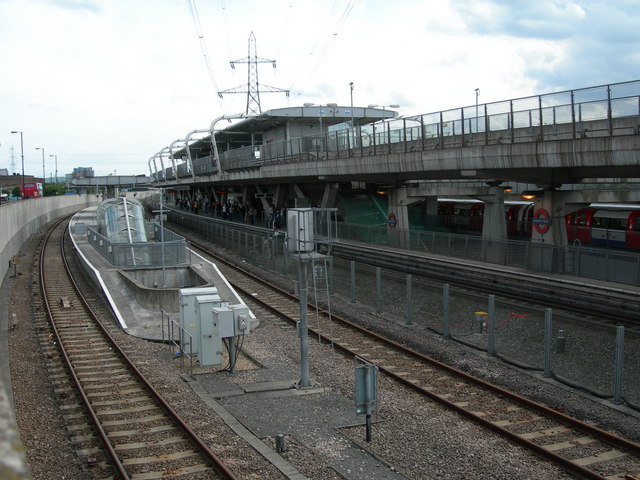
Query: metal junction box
column 189, row 316
column 209, row 344
column 241, row 318
column 300, row 230
column 223, row 322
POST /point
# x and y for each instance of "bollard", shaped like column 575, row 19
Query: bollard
column 280, row 446
column 481, row 318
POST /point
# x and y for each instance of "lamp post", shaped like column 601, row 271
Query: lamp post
column 56, row 158
column 22, row 157
column 351, row 86
column 477, row 95
column 384, row 115
column 43, row 174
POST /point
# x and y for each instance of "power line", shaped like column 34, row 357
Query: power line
column 333, row 34
column 193, row 10
column 225, row 22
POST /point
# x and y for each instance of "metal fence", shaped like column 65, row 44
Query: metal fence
column 610, row 265
column 603, row 360
column 172, row 251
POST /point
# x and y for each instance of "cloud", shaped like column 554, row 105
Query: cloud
column 115, row 81
column 81, row 5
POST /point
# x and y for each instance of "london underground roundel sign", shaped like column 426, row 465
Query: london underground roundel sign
column 392, row 221
column 541, row 221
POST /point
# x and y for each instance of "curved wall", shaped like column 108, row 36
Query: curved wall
column 19, row 220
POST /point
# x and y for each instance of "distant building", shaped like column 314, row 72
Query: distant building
column 82, row 172
column 4, row 172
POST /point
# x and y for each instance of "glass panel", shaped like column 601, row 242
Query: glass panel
column 629, row 89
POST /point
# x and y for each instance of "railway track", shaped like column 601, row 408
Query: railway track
column 616, row 303
column 579, row 448
column 125, row 425
column 621, row 304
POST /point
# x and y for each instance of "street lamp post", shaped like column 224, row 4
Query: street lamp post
column 56, row 158
column 43, row 174
column 22, row 157
column 351, row 86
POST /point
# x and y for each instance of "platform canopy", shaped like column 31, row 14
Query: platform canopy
column 250, row 130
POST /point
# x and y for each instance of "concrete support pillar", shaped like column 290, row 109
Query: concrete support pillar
column 431, row 205
column 494, row 226
column 398, row 207
column 398, row 218
column 552, row 205
column 549, row 233
column 431, row 211
column 330, row 195
column 279, row 196
column 301, row 200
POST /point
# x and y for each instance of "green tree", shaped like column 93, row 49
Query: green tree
column 52, row 189
column 16, row 191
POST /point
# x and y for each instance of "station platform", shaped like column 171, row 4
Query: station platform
column 128, row 303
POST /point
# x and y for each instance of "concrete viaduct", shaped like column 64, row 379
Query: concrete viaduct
column 569, row 152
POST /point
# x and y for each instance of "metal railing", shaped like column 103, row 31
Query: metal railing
column 172, row 252
column 606, row 110
column 177, row 340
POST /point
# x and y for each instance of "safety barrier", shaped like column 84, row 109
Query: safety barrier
column 170, row 252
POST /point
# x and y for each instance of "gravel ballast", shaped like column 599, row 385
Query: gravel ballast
column 412, row 438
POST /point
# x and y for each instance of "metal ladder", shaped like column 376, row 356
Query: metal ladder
column 324, row 323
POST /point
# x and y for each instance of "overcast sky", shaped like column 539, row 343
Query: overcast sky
column 108, row 83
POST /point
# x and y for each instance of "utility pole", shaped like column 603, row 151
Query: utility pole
column 253, row 87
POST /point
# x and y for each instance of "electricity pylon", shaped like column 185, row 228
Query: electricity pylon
column 253, row 88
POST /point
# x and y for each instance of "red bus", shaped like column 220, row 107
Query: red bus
column 31, row 190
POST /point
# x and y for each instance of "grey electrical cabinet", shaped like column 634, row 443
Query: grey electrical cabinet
column 209, row 344
column 189, row 316
column 223, row 322
column 240, row 319
column 300, row 235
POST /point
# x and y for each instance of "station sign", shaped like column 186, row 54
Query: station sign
column 541, row 221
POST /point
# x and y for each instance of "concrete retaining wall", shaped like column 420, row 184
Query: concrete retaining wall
column 19, row 220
